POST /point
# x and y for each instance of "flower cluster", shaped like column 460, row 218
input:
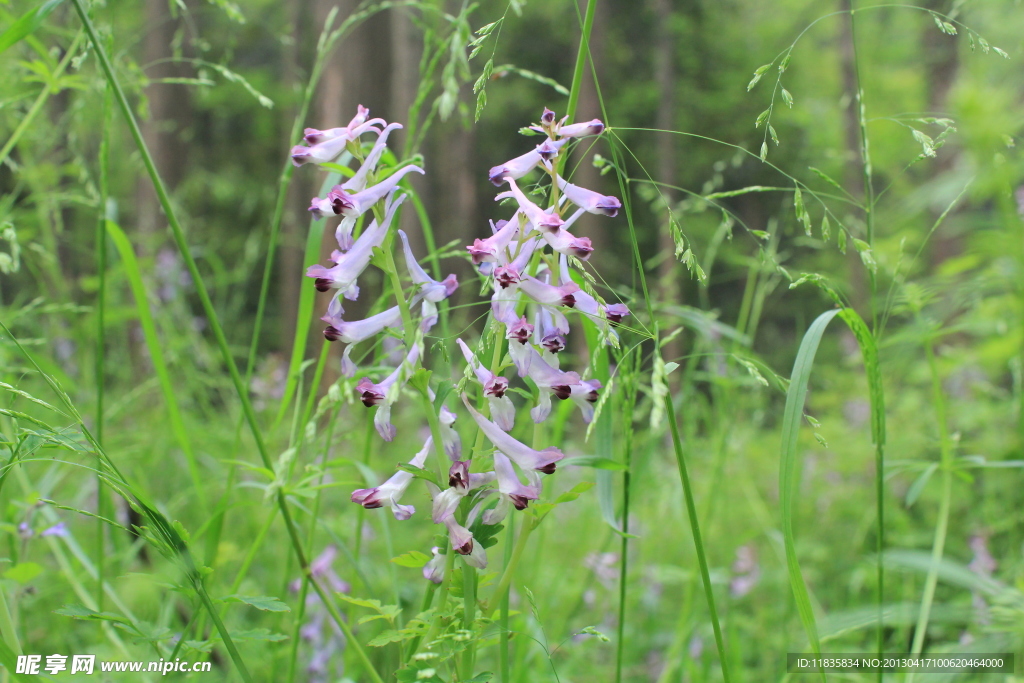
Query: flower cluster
column 533, row 290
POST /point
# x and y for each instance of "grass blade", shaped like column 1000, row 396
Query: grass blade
column 789, row 467
column 691, row 510
column 134, row 275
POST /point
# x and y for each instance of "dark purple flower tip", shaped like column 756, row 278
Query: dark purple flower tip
column 581, row 248
column 368, row 498
column 300, row 155
column 592, row 396
column 547, row 469
column 332, row 333
column 451, row 283
column 458, row 474
column 609, row 206
column 312, row 135
column 340, row 200
column 548, row 150
column 569, row 301
column 506, row 276
column 496, row 174
column 479, row 251
column 466, row 548
column 496, row 387
column 322, row 284
column 550, row 222
column 520, row 502
column 548, row 117
column 521, row 331
column 368, row 392
column 562, row 391
column 554, row 342
column 616, row 312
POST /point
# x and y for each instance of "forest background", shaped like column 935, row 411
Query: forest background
column 746, row 234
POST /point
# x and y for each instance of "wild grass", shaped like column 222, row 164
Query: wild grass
column 193, row 508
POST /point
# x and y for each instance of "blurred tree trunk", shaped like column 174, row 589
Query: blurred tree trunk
column 405, row 52
column 168, row 112
column 295, row 219
column 942, row 63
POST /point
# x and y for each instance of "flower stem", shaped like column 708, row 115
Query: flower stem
column 529, row 524
column 942, row 527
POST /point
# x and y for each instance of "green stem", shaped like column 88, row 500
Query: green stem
column 215, row 326
column 691, row 510
column 865, row 151
column 628, row 401
column 941, row 529
column 503, row 660
column 529, row 524
column 101, row 336
column 41, row 99
column 218, row 624
column 10, row 634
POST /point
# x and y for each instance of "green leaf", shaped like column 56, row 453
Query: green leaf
column 23, row 572
column 262, row 602
column 413, row 558
column 27, row 23
column 791, row 466
column 594, row 461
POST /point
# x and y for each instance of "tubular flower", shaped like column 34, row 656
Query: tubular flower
column 524, row 456
column 352, row 131
column 590, row 201
column 540, row 220
column 383, row 395
column 352, row 206
column 350, row 265
column 511, row 492
column 495, row 386
column 391, row 491
column 488, row 250
column 433, row 570
column 515, row 168
column 431, row 290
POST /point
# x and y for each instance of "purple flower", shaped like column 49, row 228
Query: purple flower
column 511, row 492
column 58, row 529
column 590, row 201
column 585, row 395
column 495, row 386
column 552, row 380
column 434, row 569
column 391, row 491
column 540, row 219
column 459, row 536
column 327, row 145
column 432, row 290
column 384, row 394
column 543, row 293
column 515, row 168
column 355, row 205
column 549, row 149
column 581, row 130
column 527, row 458
column 350, row 265
column 489, row 249
column 461, row 481
column 563, row 242
column 353, row 130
